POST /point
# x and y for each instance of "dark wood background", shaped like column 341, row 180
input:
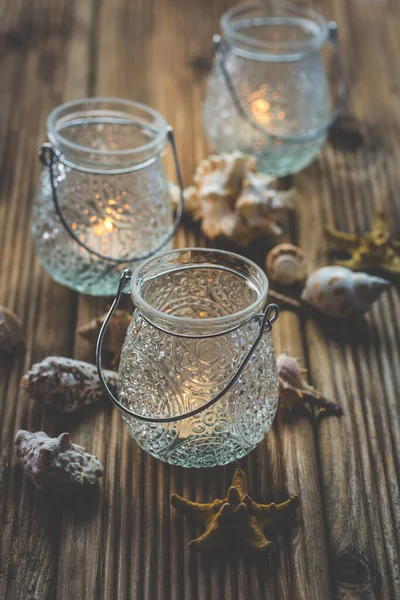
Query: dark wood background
column 128, row 542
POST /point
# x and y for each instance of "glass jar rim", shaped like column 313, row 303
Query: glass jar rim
column 274, row 50
column 243, row 315
column 160, row 126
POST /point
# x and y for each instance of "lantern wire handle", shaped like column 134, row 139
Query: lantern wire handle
column 266, row 320
column 49, row 157
column 221, row 51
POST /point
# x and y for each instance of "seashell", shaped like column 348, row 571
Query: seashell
column 192, row 205
column 286, row 264
column 222, row 175
column 115, row 334
column 232, row 200
column 56, row 463
column 66, row 384
column 339, row 292
column 11, row 336
column 294, row 390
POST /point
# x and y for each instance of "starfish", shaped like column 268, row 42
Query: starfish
column 235, row 520
column 374, row 250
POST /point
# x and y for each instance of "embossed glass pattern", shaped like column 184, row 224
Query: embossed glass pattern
column 275, row 63
column 163, row 373
column 118, row 215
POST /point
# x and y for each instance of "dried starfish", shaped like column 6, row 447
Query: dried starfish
column 235, row 520
column 115, row 334
column 374, row 250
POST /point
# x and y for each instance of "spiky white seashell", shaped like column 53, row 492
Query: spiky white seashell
column 286, row 264
column 234, row 201
column 222, row 174
column 56, row 463
column 66, row 384
column 339, row 292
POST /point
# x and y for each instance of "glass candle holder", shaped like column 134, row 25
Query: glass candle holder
column 198, row 382
column 104, row 200
column 269, row 91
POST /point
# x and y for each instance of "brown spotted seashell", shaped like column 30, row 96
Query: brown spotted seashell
column 11, row 336
column 341, row 293
column 286, row 264
column 66, row 384
column 56, row 463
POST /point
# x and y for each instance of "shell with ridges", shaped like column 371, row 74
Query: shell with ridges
column 222, row 174
column 66, row 384
column 294, row 390
column 232, row 200
column 339, row 292
column 286, row 264
column 56, row 462
column 11, row 336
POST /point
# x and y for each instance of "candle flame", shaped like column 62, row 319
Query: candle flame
column 260, row 108
column 103, row 226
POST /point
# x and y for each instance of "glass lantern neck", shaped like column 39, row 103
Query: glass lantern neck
column 106, row 133
column 198, row 291
column 274, row 32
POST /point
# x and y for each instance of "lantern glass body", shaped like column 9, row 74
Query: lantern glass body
column 200, row 293
column 275, row 63
column 111, row 187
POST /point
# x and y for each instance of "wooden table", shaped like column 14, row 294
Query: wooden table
column 130, row 543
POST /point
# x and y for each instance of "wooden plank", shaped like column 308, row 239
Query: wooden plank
column 118, row 547
column 355, row 363
column 37, row 44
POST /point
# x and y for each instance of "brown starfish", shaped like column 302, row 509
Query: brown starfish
column 115, row 334
column 235, row 520
column 374, row 250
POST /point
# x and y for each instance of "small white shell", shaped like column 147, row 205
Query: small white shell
column 289, row 371
column 339, row 292
column 286, row 264
column 56, row 463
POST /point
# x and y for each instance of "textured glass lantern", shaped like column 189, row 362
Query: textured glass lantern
column 104, row 200
column 197, row 377
column 269, row 94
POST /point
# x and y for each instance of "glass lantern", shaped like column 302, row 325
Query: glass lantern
column 104, row 200
column 269, row 91
column 198, row 381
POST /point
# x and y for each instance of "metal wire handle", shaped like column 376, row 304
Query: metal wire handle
column 266, row 321
column 221, row 51
column 49, row 157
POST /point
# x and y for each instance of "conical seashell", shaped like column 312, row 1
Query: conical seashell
column 56, row 463
column 11, row 336
column 339, row 292
column 115, row 334
column 66, row 384
column 294, row 390
column 286, row 264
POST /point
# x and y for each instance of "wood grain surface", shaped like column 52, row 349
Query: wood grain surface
column 126, row 541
